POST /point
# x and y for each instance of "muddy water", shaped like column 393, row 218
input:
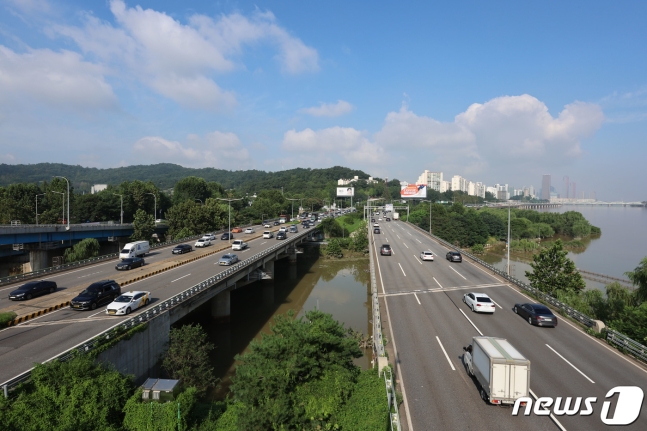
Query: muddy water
column 338, row 287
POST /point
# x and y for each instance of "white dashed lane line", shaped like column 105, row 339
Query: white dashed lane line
column 401, row 269
column 457, row 272
column 414, row 294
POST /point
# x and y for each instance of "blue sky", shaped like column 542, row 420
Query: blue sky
column 501, row 92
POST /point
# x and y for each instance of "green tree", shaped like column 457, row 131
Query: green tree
column 632, row 323
column 160, row 416
column 191, row 188
column 187, row 357
column 84, row 249
column 143, row 226
column 639, row 278
column 68, row 396
column 333, row 249
column 552, row 271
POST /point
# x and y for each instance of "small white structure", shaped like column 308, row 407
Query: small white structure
column 98, row 187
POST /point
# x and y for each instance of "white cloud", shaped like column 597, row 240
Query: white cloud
column 61, row 79
column 330, row 109
column 180, row 60
column 215, row 149
column 8, row 159
column 30, row 6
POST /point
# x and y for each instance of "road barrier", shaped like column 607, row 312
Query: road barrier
column 154, row 311
column 615, row 338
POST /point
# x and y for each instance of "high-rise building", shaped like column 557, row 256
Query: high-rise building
column 566, row 186
column 459, row 183
column 432, row 179
column 445, row 186
column 573, row 190
column 545, row 187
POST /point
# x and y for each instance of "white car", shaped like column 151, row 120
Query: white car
column 427, row 255
column 479, row 302
column 127, row 302
column 267, row 225
column 283, row 229
column 268, row 234
column 249, row 230
column 202, row 242
column 238, row 245
column 376, row 225
column 209, row 236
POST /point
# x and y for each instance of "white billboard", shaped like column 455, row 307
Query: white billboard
column 413, row 191
column 345, row 192
column 388, row 207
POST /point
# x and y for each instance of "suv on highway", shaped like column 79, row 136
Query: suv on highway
column 385, row 250
column 454, row 256
column 96, row 294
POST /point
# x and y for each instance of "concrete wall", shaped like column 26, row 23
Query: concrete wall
column 139, row 356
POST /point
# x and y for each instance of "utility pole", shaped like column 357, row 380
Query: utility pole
column 230, row 201
column 121, row 220
column 68, row 201
column 508, row 240
column 63, row 197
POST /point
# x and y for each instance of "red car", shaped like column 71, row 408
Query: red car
column 236, row 230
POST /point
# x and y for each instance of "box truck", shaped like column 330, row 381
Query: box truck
column 134, row 249
column 502, row 373
column 396, row 216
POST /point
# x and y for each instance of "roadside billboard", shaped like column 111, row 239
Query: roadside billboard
column 414, row 191
column 388, row 207
column 345, row 192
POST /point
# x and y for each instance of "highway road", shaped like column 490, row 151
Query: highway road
column 44, row 337
column 430, row 325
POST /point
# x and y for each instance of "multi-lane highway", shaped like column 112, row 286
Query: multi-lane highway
column 42, row 338
column 430, row 326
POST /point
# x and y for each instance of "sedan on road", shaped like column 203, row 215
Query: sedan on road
column 130, row 263
column 249, row 230
column 32, row 289
column 228, row 259
column 268, row 234
column 385, row 250
column 281, row 235
column 454, row 256
column 127, row 302
column 237, row 230
column 479, row 302
column 202, row 242
column 276, row 223
column 427, row 255
column 227, row 235
column 209, row 236
column 536, row 314
column 181, row 249
column 267, row 225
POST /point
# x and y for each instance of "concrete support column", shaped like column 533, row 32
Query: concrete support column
column 268, row 268
column 38, row 259
column 292, row 257
column 292, row 272
column 268, row 294
column 221, row 307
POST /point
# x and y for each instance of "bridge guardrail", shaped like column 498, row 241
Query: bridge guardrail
column 613, row 337
column 58, row 268
column 152, row 312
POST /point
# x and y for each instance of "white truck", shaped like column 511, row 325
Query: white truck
column 396, row 216
column 502, row 373
column 238, row 245
column 135, row 249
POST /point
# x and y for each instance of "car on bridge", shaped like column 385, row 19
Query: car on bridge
column 209, row 236
column 268, row 234
column 427, row 255
column 181, row 249
column 294, row 229
column 96, row 294
column 238, row 245
column 202, row 242
column 237, row 230
column 536, row 314
column 32, row 289
column 479, row 302
column 127, row 302
column 281, row 235
column 250, row 230
column 385, row 250
column 130, row 263
column 454, row 256
column 227, row 235
column 276, row 223
column 267, row 225
column 228, row 259
column 376, row 230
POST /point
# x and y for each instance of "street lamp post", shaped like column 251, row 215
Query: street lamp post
column 68, row 200
column 155, row 213
column 295, row 199
column 42, row 194
column 63, row 201
column 508, row 240
column 229, row 201
column 121, row 220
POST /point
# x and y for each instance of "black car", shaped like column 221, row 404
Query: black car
column 536, row 314
column 376, row 230
column 32, row 289
column 454, row 256
column 182, row 248
column 372, row 220
column 130, row 263
column 388, row 219
column 281, row 235
column 276, row 223
column 96, row 294
column 227, row 235
column 385, row 250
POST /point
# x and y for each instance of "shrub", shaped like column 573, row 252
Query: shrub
column 6, row 317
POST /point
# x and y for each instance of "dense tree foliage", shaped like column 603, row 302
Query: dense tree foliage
column 84, row 249
column 639, row 278
column 552, row 271
column 143, row 226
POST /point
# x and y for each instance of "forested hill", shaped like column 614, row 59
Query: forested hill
column 165, row 175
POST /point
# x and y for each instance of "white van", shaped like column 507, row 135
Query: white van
column 135, row 249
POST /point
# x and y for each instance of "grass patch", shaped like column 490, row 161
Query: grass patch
column 7, row 317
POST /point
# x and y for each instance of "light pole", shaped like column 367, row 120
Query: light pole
column 42, row 194
column 425, row 200
column 155, row 213
column 296, row 199
column 63, row 201
column 230, row 201
column 121, row 220
column 68, row 201
column 508, row 240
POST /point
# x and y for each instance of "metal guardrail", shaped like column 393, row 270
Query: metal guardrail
column 378, row 346
column 84, row 262
column 152, row 312
column 613, row 337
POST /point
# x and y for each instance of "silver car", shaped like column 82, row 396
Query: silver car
column 228, row 259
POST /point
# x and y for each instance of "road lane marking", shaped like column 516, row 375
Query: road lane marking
column 405, row 244
column 87, row 275
column 457, row 272
column 263, row 242
column 567, row 361
column 398, row 235
column 180, row 278
column 417, row 259
column 469, row 320
column 495, row 303
column 401, row 269
column 414, row 294
column 418, row 240
column 409, row 233
column 561, row 427
column 437, row 282
column 446, row 355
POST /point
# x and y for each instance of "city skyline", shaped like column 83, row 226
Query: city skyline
column 485, row 91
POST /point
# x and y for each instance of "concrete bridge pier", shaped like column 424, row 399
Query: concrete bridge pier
column 292, row 257
column 221, row 307
column 38, row 259
column 268, row 283
column 292, row 272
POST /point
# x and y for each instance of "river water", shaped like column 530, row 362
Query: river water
column 620, row 247
column 339, row 287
